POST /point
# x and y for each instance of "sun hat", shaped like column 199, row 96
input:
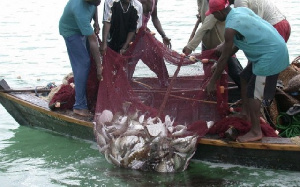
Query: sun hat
column 216, row 5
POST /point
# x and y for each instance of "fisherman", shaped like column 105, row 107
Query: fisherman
column 150, row 11
column 266, row 52
column 75, row 27
column 148, row 50
column 211, row 34
column 268, row 11
column 121, row 19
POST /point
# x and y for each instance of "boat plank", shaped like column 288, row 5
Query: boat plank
column 250, row 145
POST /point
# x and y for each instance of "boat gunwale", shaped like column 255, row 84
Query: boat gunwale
column 45, row 110
column 206, row 141
column 250, row 145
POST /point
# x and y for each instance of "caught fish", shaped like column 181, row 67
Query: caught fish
column 105, row 116
column 132, row 141
column 164, row 166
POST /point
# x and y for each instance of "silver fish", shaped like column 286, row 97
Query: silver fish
column 105, row 116
column 180, row 132
column 187, row 146
column 136, row 164
column 141, row 119
column 164, row 166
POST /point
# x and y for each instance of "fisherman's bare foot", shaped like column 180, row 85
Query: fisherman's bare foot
column 250, row 137
column 82, row 112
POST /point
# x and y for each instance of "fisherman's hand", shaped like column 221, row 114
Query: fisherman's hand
column 103, row 48
column 186, row 50
column 219, row 49
column 96, row 28
column 167, row 42
column 123, row 49
column 210, row 87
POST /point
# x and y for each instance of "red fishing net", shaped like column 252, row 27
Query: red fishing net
column 115, row 89
column 118, row 92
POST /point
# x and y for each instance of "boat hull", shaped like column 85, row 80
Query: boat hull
column 38, row 115
column 284, row 158
column 274, row 153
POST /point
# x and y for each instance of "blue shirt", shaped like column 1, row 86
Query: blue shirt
column 259, row 40
column 76, row 18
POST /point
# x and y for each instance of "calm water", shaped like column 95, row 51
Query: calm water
column 33, row 54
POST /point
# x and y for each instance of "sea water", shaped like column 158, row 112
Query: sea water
column 32, row 53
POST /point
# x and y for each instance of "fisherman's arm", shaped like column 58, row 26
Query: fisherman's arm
column 159, row 28
column 96, row 23
column 105, row 31
column 93, row 41
column 195, row 27
column 208, row 23
column 222, row 62
column 129, row 39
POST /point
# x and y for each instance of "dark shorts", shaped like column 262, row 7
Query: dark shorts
column 259, row 87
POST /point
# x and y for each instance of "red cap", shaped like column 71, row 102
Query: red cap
column 216, row 5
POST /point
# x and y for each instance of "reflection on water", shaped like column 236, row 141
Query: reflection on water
column 33, row 54
column 35, row 156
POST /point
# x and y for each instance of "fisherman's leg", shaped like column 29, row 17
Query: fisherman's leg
column 131, row 67
column 255, row 132
column 263, row 88
column 245, row 76
column 234, row 70
column 80, row 62
column 156, row 63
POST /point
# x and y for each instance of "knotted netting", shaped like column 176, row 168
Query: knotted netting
column 117, row 90
column 116, row 87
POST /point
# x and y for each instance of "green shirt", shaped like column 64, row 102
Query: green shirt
column 259, row 40
column 76, row 18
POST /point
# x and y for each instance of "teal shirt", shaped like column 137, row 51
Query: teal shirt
column 76, row 18
column 259, row 40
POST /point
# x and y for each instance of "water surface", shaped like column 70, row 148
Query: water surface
column 32, row 53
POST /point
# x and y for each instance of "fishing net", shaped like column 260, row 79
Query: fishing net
column 63, row 96
column 118, row 92
column 115, row 89
column 138, row 139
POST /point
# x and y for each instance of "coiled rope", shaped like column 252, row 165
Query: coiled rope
column 290, row 127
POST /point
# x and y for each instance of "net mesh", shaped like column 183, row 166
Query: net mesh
column 116, row 88
column 117, row 92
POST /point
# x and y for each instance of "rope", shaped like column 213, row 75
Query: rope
column 166, row 97
column 291, row 128
column 181, row 97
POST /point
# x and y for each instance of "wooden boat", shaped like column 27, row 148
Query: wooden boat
column 275, row 153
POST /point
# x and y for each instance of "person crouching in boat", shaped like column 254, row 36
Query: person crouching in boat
column 266, row 52
column 76, row 29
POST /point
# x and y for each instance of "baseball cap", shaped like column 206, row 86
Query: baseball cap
column 216, row 5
